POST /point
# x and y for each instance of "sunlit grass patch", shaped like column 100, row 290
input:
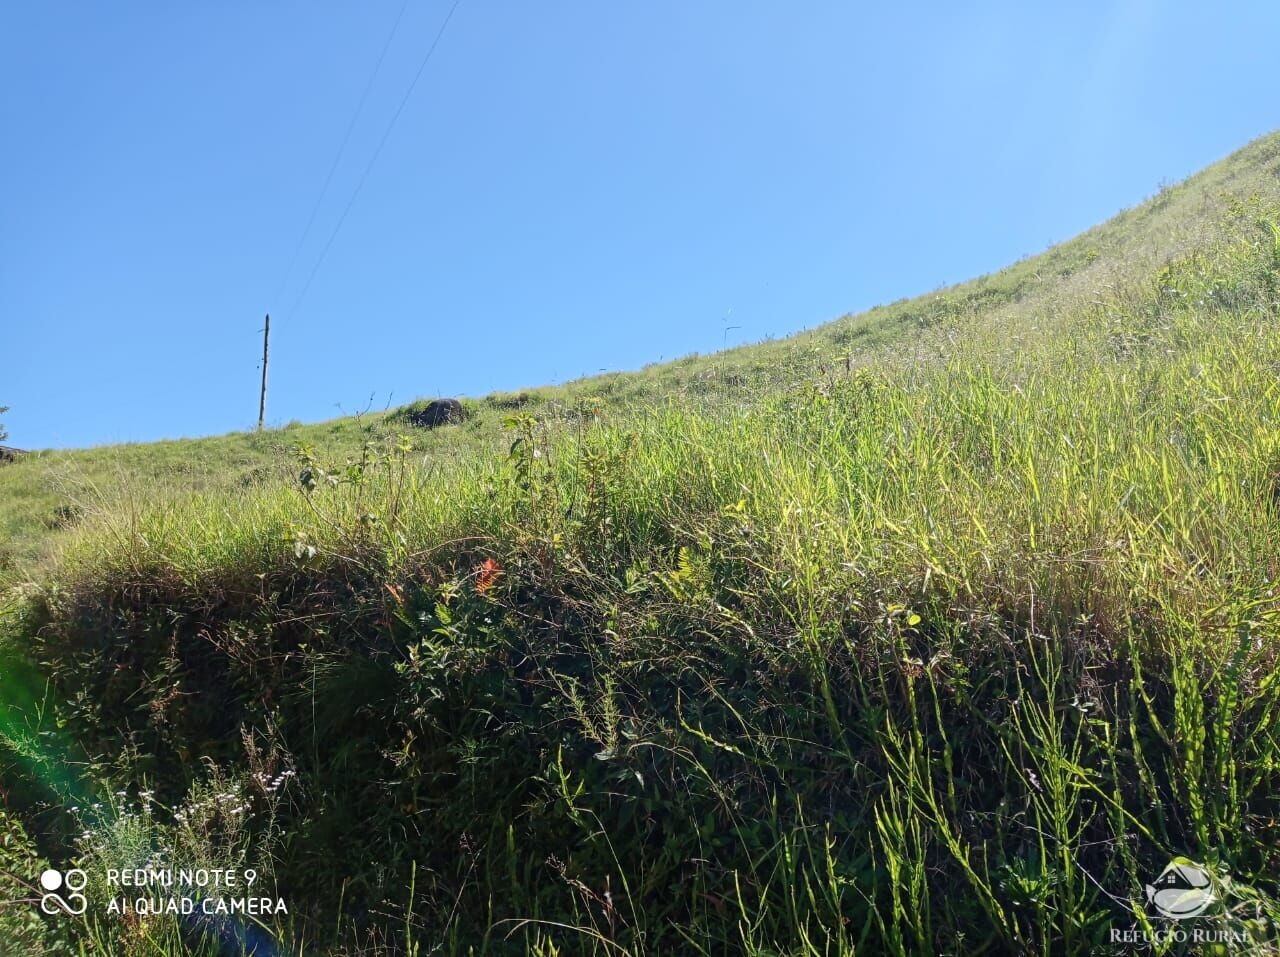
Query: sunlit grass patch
column 950, row 650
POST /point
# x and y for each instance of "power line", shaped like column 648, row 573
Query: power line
column 306, row 232
column 376, row 153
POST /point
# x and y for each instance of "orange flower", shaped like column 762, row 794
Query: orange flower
column 487, row 575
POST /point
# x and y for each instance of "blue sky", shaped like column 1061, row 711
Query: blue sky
column 572, row 186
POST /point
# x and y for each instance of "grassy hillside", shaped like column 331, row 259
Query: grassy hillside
column 948, row 648
column 49, row 492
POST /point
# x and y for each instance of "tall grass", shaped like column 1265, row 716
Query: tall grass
column 943, row 656
column 47, row 495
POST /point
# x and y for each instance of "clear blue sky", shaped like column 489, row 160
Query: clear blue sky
column 573, row 186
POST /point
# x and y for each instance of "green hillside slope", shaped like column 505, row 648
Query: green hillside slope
column 948, row 648
column 46, row 493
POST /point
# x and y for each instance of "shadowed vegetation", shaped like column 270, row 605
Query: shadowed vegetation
column 948, row 647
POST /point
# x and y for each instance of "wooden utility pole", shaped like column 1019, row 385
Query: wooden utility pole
column 262, row 399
